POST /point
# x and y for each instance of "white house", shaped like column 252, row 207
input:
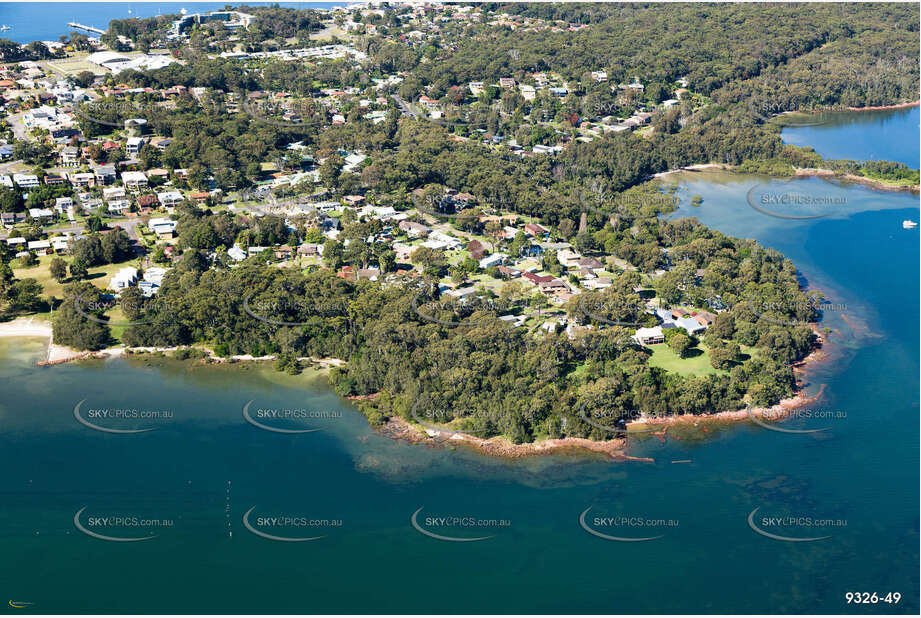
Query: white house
column 63, row 203
column 161, row 225
column 134, row 180
column 133, row 145
column 41, row 247
column 41, row 213
column 26, row 180
column 119, row 206
column 496, row 259
column 124, row 278
column 691, row 325
column 170, row 198
column 649, row 336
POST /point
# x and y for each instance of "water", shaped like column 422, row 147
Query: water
column 890, row 135
column 29, row 21
column 206, row 467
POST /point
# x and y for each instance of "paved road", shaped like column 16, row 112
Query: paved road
column 406, row 109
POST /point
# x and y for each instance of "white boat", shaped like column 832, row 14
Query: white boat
column 908, row 224
column 4, row 28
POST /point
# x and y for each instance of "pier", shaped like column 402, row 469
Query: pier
column 77, row 26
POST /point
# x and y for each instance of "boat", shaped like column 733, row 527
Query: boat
column 4, row 28
column 908, row 224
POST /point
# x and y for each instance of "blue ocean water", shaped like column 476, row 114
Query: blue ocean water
column 890, row 135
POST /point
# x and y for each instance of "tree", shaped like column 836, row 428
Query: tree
column 724, row 356
column 115, row 246
column 78, row 269
column 58, row 269
column 75, row 324
column 680, row 344
column 330, row 170
column 25, row 295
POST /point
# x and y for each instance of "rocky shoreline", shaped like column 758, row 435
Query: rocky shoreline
column 399, row 429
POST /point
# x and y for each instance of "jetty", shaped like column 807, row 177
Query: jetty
column 79, row 26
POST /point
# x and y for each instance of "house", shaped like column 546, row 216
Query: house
column 162, row 227
column 16, row 243
column 104, row 174
column 649, row 336
column 118, row 207
column 170, row 198
column 81, row 179
column 284, row 252
column 6, row 181
column 509, row 272
column 41, row 213
column 691, row 325
column 124, row 278
column 61, row 244
column 553, row 286
column 496, row 259
column 413, row 229
column 371, row 274
column 462, row 293
column 70, row 156
column 134, row 180
column 590, row 263
column 536, row 279
column 113, row 193
column 309, row 249
column 133, row 145
column 568, row 258
column 600, row 76
column 12, row 218
column 54, row 179
column 506, row 82
column 704, row 318
column 63, row 204
column 148, row 201
column 199, row 197
column 533, row 229
column 26, row 181
column 40, row 247
column 347, row 273
column 528, row 93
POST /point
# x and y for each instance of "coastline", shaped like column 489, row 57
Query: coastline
column 616, row 449
column 817, row 172
column 397, row 428
column 57, row 354
column 876, row 108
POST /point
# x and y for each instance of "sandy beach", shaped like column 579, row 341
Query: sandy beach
column 25, row 327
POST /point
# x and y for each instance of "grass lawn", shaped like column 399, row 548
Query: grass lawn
column 698, row 365
column 98, row 275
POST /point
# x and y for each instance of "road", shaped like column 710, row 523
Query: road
column 406, row 109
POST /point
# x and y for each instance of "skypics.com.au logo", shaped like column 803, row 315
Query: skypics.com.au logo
column 626, row 528
column 120, row 528
column 287, row 528
column 286, row 420
column 120, row 419
column 436, row 526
